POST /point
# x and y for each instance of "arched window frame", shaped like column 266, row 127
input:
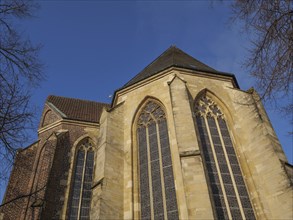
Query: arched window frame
column 86, row 145
column 136, row 165
column 211, row 116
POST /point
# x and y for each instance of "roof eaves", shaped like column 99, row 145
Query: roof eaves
column 212, row 71
column 190, row 68
column 179, row 66
column 82, row 120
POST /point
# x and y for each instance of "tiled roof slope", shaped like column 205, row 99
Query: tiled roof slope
column 172, row 57
column 77, row 109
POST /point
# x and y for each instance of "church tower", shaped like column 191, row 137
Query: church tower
column 180, row 140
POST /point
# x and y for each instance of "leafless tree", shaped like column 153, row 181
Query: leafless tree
column 20, row 71
column 271, row 55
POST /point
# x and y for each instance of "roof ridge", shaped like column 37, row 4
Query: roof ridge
column 181, row 51
column 151, row 63
column 77, row 99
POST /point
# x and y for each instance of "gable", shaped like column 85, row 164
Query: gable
column 77, row 109
column 49, row 116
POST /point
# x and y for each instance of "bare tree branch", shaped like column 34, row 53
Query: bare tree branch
column 270, row 60
column 20, row 72
column 23, row 196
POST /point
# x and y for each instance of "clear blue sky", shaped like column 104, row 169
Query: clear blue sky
column 91, row 48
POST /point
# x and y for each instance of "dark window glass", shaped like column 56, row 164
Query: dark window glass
column 216, row 190
column 155, row 157
column 79, row 204
column 144, row 174
column 209, row 119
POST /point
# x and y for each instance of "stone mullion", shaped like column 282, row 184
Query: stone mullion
column 77, row 184
column 246, row 205
column 218, row 169
column 169, row 185
column 158, row 206
column 231, row 176
column 223, row 164
column 162, row 173
column 150, row 173
column 161, row 194
column 82, row 179
column 212, row 173
column 230, row 169
column 141, row 155
column 144, row 187
column 86, row 182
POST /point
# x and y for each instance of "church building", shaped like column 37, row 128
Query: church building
column 180, row 140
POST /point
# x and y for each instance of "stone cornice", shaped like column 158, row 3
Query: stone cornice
column 68, row 122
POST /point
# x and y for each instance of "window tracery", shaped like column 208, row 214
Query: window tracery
column 227, row 186
column 156, row 180
column 207, row 107
column 80, row 199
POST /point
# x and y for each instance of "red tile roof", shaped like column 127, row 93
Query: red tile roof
column 77, row 109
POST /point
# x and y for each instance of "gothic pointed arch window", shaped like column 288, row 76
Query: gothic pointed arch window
column 227, row 187
column 80, row 198
column 156, row 180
